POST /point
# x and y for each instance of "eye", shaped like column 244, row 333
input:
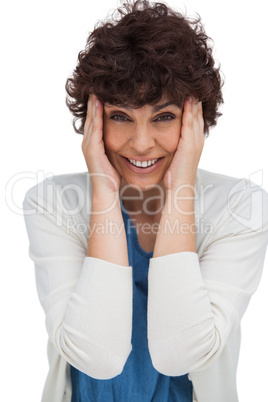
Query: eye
column 165, row 118
column 119, row 117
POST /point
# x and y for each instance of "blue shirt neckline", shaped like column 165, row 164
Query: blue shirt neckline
column 135, row 235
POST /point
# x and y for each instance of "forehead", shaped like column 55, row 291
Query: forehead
column 153, row 108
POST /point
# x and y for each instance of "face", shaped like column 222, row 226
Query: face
column 140, row 143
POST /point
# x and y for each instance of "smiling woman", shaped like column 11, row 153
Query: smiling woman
column 145, row 303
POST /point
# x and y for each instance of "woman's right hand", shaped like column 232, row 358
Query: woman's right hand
column 105, row 242
column 103, row 176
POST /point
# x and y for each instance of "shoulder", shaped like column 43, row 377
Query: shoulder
column 64, row 182
column 62, row 196
column 60, row 202
column 219, row 193
column 223, row 183
column 70, row 188
column 228, row 206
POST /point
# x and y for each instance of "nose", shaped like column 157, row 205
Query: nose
column 142, row 140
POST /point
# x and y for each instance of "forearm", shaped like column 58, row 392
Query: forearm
column 95, row 333
column 177, row 224
column 182, row 334
column 107, row 237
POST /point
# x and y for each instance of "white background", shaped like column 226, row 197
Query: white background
column 40, row 42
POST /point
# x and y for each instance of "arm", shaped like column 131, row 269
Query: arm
column 189, row 326
column 87, row 300
column 196, row 303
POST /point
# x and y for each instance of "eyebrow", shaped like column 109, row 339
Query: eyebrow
column 156, row 108
column 159, row 107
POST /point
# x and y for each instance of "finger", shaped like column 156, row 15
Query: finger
column 97, row 126
column 89, row 116
column 192, row 123
column 93, row 133
column 197, row 112
column 200, row 116
column 187, row 117
column 200, row 108
column 89, row 107
column 195, row 109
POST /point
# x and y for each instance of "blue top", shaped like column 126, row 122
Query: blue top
column 139, row 380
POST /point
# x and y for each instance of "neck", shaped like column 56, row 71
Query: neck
column 149, row 202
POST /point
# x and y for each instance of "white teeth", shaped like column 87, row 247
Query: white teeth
column 143, row 164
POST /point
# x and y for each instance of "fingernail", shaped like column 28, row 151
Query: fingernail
column 190, row 99
column 97, row 102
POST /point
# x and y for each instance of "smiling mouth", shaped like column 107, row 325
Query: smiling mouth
column 143, row 164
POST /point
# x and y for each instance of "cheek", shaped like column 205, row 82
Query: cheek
column 108, row 137
column 113, row 140
column 108, row 141
column 171, row 140
column 115, row 136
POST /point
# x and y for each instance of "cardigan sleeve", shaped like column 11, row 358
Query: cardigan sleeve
column 196, row 302
column 87, row 301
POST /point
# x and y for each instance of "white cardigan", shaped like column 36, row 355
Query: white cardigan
column 195, row 300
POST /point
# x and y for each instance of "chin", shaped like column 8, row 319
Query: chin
column 142, row 185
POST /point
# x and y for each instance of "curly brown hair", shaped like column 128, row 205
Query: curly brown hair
column 146, row 51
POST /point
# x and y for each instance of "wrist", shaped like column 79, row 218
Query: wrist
column 179, row 180
column 104, row 202
column 181, row 199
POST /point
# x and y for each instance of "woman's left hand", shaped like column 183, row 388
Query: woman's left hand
column 183, row 168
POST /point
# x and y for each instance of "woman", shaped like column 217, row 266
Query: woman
column 145, row 274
